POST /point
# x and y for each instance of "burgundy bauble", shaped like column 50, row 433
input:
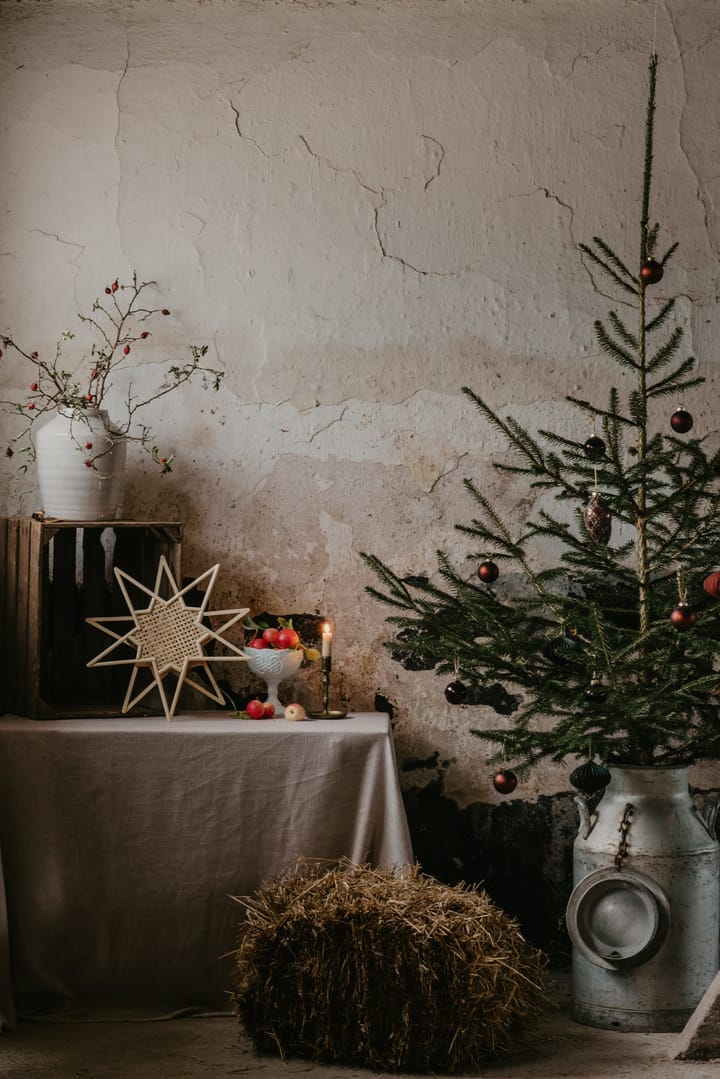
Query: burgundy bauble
column 598, row 519
column 683, row 617
column 651, row 272
column 711, row 584
column 594, row 448
column 681, row 421
column 505, row 781
column 488, row 571
column 455, row 693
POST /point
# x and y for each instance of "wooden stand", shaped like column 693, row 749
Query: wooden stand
column 53, row 575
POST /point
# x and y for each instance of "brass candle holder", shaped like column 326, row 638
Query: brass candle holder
column 327, row 713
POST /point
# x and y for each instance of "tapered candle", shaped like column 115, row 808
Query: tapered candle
column 326, row 640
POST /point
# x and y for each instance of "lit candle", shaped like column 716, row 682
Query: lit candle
column 326, row 640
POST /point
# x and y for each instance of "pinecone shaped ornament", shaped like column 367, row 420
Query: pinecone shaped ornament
column 598, row 519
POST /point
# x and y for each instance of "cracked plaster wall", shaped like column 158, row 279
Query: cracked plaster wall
column 359, row 207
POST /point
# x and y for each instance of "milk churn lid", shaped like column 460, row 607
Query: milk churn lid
column 618, row 918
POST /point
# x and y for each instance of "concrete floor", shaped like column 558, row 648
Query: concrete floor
column 211, row 1048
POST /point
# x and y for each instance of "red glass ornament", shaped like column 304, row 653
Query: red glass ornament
column 505, row 781
column 488, row 571
column 711, row 584
column 681, row 421
column 683, row 617
column 598, row 519
column 651, row 272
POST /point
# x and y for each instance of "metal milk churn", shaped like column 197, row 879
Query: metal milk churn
column 644, row 915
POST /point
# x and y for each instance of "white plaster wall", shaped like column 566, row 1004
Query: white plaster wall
column 360, row 207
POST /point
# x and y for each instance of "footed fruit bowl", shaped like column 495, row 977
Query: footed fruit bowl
column 274, row 665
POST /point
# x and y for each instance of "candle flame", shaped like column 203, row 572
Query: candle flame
column 326, row 627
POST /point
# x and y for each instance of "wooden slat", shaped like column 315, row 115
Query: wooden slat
column 62, row 614
column 44, row 638
column 36, row 645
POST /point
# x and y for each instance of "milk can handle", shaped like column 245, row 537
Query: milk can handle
column 588, row 820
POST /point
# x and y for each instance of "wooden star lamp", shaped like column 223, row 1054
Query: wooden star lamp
column 168, row 637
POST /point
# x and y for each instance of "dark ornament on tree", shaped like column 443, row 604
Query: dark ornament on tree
column 596, row 692
column 651, row 272
column 561, row 647
column 590, row 777
column 711, row 584
column 598, row 519
column 505, row 781
column 594, row 448
column 683, row 617
column 681, row 421
column 456, row 692
column 488, row 571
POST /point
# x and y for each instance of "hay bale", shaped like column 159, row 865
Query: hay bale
column 362, row 966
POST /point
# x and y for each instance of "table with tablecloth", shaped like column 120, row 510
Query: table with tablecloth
column 123, row 841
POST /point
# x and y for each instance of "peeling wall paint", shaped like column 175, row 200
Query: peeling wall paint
column 360, row 208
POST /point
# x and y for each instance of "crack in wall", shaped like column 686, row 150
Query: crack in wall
column 338, row 168
column 440, row 161
column 118, row 88
column 320, row 430
column 116, row 140
column 703, row 197
column 60, row 240
column 448, row 471
column 397, row 258
column 249, row 138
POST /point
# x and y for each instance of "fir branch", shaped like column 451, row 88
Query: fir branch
column 661, row 317
column 669, row 253
column 613, row 258
column 621, row 330
column 612, row 348
column 510, row 430
column 648, row 162
column 666, row 351
column 607, row 269
column 586, row 406
column 668, row 387
column 401, row 595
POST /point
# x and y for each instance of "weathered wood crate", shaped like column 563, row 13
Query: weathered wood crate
column 53, row 575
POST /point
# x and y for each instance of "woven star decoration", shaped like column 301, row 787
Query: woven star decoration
column 168, row 636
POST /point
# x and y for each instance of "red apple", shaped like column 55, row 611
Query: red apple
column 255, row 709
column 287, row 638
column 268, row 710
column 257, row 642
column 270, row 635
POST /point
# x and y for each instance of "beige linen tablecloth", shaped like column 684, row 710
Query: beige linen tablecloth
column 122, row 841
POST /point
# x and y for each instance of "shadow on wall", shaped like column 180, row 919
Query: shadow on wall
column 520, row 852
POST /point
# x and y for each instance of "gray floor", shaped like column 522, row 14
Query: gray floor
column 188, row 1048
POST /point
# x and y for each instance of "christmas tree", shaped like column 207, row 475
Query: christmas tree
column 611, row 651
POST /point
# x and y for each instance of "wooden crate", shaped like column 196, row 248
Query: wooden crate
column 54, row 574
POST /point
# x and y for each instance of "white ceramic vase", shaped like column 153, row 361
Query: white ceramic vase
column 69, row 488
